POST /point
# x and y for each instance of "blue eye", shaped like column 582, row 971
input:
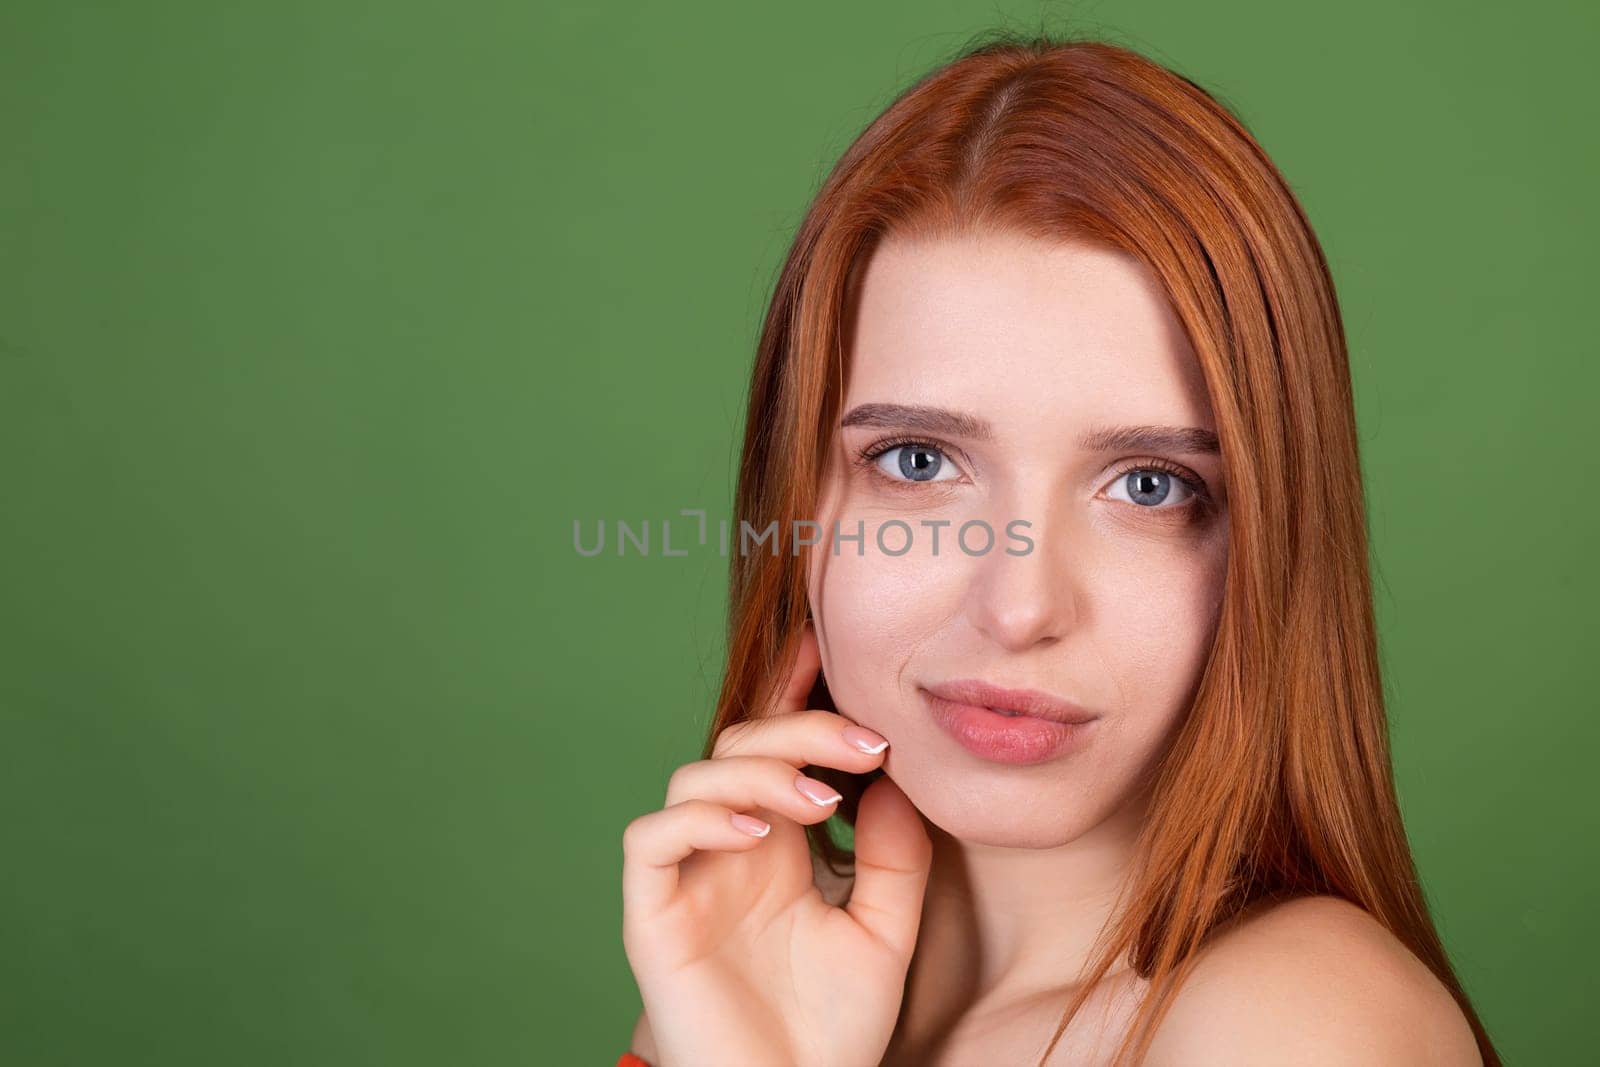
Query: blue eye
column 916, row 462
column 1152, row 488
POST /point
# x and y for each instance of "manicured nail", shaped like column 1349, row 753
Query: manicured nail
column 864, row 739
column 750, row 825
column 819, row 793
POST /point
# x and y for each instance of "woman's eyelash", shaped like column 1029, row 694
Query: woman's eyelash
column 867, row 459
column 878, row 448
column 1193, row 482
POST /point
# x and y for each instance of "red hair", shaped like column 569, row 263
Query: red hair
column 1279, row 782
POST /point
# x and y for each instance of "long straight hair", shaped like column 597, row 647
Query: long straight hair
column 1279, row 783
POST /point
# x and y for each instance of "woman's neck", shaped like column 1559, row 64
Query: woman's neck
column 1007, row 928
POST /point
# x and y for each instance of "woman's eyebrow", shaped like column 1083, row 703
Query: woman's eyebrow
column 1191, row 440
column 919, row 418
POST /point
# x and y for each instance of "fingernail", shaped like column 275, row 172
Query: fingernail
column 864, row 739
column 749, row 824
column 819, row 793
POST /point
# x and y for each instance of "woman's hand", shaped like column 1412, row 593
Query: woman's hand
column 738, row 959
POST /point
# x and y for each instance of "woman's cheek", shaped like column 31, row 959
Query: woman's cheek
column 874, row 612
column 1160, row 637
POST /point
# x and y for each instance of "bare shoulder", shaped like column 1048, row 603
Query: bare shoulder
column 1318, row 976
column 642, row 1044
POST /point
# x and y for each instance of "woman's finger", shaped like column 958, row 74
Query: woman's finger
column 655, row 843
column 893, row 855
column 815, row 736
column 744, row 782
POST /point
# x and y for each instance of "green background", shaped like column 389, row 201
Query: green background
column 320, row 323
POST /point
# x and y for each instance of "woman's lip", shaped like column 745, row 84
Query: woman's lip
column 974, row 692
column 1020, row 739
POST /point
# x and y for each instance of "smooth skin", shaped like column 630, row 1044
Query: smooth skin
column 738, row 958
column 1014, row 365
column 1036, row 345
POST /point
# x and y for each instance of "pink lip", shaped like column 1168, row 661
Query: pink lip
column 1047, row 728
column 1033, row 702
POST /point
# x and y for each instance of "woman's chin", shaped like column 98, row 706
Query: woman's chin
column 981, row 815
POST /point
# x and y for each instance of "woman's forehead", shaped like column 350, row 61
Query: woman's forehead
column 1017, row 327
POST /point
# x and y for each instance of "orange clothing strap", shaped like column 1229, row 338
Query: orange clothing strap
column 628, row 1059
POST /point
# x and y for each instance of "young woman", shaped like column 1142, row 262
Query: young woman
column 1068, row 618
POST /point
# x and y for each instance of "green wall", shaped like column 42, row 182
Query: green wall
column 321, row 322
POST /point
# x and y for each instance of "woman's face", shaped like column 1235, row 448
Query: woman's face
column 1032, row 346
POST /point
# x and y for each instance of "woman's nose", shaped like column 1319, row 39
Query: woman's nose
column 1019, row 601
